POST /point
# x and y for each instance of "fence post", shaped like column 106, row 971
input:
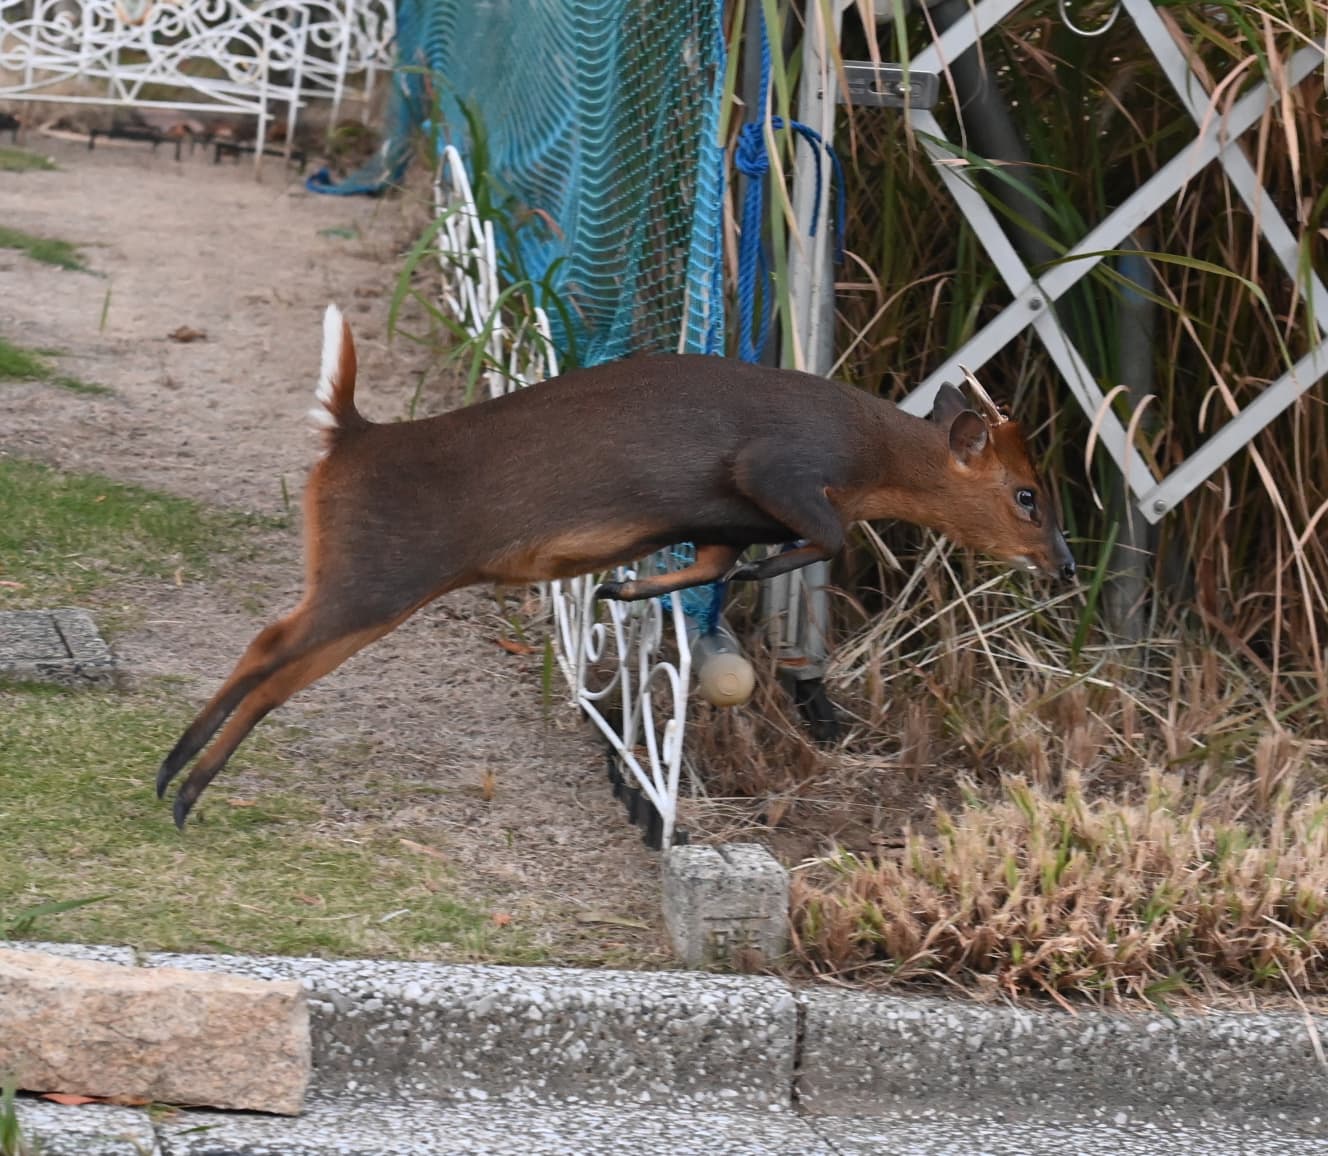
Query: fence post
column 797, row 605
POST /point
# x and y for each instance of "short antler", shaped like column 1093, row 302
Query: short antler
column 990, row 409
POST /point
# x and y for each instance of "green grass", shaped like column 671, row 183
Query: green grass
column 11, row 1135
column 19, row 364
column 267, row 864
column 62, row 536
column 261, row 868
column 22, row 161
column 47, row 250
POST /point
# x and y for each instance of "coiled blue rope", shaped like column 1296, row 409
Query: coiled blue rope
column 752, row 159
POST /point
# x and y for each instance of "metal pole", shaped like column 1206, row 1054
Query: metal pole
column 1127, row 587
column 798, row 604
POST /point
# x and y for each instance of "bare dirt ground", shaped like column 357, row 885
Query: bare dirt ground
column 223, row 420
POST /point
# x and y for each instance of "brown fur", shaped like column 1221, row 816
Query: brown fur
column 569, row 554
column 599, row 467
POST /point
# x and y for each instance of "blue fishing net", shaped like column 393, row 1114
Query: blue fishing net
column 599, row 122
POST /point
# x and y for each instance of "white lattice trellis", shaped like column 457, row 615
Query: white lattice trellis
column 800, row 616
column 1215, row 141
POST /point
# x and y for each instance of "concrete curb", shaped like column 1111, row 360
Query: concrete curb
column 473, row 1032
column 461, row 1033
column 366, row 1126
column 895, row 1053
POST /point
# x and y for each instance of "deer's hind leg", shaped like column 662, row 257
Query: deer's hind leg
column 314, row 639
column 290, row 675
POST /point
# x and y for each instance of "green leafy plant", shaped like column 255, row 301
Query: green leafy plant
column 12, row 1141
column 520, row 294
column 22, row 923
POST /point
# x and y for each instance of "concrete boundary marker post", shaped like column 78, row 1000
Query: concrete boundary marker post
column 726, row 905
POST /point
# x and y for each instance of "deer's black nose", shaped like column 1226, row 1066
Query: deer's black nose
column 1068, row 571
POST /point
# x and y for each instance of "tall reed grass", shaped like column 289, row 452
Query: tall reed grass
column 1173, row 745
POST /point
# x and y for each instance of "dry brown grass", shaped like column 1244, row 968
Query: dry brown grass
column 1024, row 802
column 1022, row 806
column 1137, row 895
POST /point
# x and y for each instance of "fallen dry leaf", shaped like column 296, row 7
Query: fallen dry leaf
column 241, row 802
column 488, row 786
column 310, row 900
column 13, row 585
column 179, row 575
column 69, row 1098
column 512, row 646
column 185, row 334
column 501, row 919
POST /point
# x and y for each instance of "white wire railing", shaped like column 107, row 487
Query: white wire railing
column 617, row 657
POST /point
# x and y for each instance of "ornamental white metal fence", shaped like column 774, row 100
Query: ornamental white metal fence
column 256, row 59
column 627, row 664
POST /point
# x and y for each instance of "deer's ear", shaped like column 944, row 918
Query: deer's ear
column 969, row 437
column 947, row 403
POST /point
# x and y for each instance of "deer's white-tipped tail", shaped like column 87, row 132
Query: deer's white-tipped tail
column 333, row 334
column 335, row 412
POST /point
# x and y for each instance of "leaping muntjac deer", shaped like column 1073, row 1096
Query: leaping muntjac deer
column 599, row 467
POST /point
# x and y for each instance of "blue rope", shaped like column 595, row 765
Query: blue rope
column 751, row 158
column 702, row 604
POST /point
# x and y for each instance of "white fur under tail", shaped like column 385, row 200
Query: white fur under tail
column 333, row 333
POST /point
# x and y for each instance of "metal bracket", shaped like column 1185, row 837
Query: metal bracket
column 888, row 86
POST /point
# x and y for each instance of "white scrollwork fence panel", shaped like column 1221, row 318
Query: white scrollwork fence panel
column 45, row 45
column 472, row 295
column 194, row 55
column 614, row 655
column 344, row 41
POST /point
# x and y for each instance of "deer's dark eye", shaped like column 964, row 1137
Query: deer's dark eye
column 1027, row 499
